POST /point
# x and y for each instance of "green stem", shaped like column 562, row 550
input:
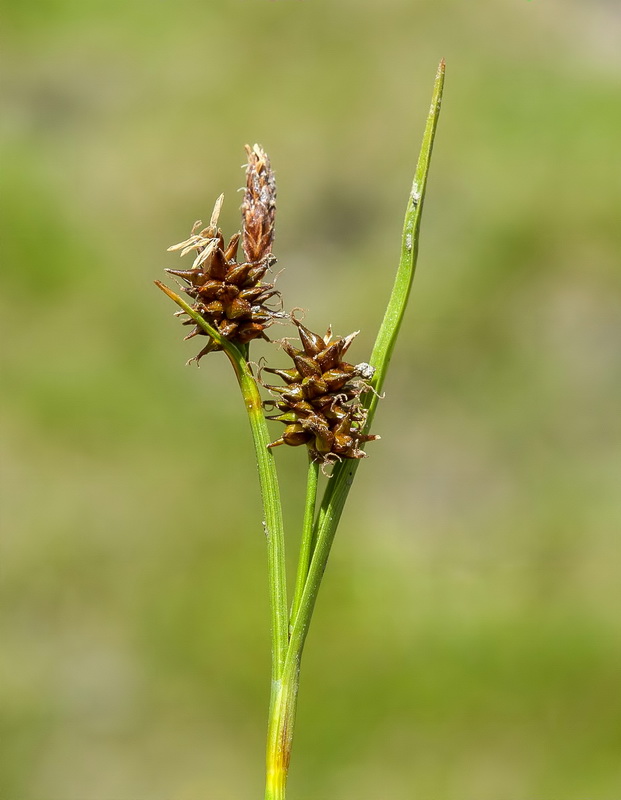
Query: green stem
column 306, row 548
column 270, row 494
column 273, row 524
column 282, row 719
column 344, row 472
column 280, row 735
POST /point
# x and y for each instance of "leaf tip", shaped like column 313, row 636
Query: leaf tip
column 166, row 290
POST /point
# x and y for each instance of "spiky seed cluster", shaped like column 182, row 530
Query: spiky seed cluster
column 319, row 403
column 230, row 295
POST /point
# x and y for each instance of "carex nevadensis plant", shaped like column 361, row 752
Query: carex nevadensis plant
column 227, row 299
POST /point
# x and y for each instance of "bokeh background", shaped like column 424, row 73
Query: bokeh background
column 466, row 644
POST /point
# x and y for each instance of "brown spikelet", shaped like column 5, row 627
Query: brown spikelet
column 259, row 205
column 319, row 403
column 231, row 295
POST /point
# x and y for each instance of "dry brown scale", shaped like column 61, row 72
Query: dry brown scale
column 230, row 295
column 320, row 401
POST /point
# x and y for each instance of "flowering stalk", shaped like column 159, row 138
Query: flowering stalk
column 268, row 479
column 307, row 545
column 325, row 403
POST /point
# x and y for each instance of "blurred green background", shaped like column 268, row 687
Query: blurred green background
column 466, row 644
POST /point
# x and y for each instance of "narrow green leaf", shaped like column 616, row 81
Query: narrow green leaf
column 389, row 330
column 344, row 472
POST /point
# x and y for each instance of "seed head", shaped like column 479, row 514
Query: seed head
column 230, row 295
column 319, row 402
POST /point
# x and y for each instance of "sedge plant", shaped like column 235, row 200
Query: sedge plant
column 326, row 404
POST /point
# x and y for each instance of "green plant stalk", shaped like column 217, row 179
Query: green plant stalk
column 283, row 717
column 270, row 494
column 306, row 547
column 344, row 472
